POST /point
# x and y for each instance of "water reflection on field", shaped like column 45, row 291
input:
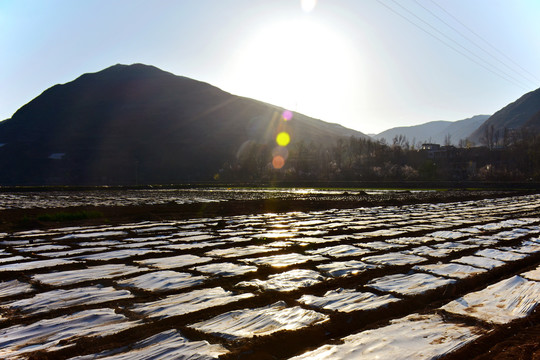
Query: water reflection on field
column 106, row 197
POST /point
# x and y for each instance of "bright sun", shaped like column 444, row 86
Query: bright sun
column 298, row 64
column 308, row 5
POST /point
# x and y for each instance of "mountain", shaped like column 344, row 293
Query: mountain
column 435, row 131
column 533, row 123
column 521, row 113
column 138, row 124
column 423, row 132
column 462, row 129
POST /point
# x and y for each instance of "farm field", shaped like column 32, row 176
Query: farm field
column 419, row 280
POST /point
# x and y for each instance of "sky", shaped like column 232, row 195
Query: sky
column 369, row 65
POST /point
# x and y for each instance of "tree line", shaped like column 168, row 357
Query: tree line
column 510, row 156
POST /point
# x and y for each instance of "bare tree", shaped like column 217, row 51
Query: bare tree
column 506, row 137
column 447, row 139
column 496, row 136
column 488, row 137
column 401, row 141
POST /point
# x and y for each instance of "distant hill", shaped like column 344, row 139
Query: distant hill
column 521, row 113
column 435, row 131
column 138, row 124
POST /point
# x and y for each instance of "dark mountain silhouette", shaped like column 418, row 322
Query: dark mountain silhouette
column 533, row 123
column 138, row 124
column 521, row 113
column 435, row 131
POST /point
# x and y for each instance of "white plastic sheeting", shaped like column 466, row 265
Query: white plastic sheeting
column 108, row 271
column 14, row 287
column 38, row 264
column 499, row 303
column 59, row 299
column 258, row 322
column 163, row 281
column 480, row 261
column 225, row 269
column 409, row 284
column 13, row 259
column 117, row 254
column 344, row 268
column 91, row 234
column 174, row 261
column 340, row 251
column 163, row 346
column 55, row 334
column 239, row 251
column 452, row 270
column 283, row 260
column 188, row 302
column 500, row 255
column 286, row 281
column 347, row 300
column 532, row 274
column 413, row 337
column 394, row 259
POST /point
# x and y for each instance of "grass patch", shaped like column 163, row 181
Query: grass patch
column 70, row 216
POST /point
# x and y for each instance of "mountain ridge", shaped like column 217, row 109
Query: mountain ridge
column 139, row 124
column 516, row 115
column 435, row 131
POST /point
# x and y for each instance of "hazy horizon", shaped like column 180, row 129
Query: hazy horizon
column 369, row 65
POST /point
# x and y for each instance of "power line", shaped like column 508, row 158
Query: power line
column 485, row 41
column 530, row 78
column 475, row 44
column 509, row 79
column 461, row 46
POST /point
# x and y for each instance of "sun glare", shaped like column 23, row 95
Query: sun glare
column 308, row 5
column 299, row 64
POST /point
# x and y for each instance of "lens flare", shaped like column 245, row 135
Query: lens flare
column 287, row 115
column 278, row 162
column 283, row 139
column 280, row 151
